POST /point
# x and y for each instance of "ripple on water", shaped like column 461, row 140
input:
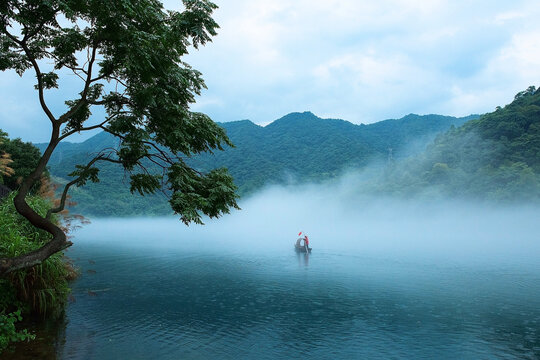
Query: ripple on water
column 330, row 306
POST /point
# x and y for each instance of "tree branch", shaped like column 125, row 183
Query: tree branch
column 63, row 198
column 36, row 31
column 93, row 127
column 126, row 101
column 39, row 75
column 74, row 69
column 165, row 156
column 59, row 240
column 65, row 117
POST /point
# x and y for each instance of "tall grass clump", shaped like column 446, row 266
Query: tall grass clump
column 40, row 291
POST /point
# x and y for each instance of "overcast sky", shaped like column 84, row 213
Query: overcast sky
column 359, row 60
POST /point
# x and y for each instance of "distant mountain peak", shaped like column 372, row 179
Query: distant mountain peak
column 239, row 123
column 294, row 118
column 298, row 116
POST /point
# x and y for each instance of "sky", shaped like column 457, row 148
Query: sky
column 358, row 60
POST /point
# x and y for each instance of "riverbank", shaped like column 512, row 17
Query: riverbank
column 193, row 304
column 32, row 295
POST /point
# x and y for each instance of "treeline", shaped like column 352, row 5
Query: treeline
column 297, row 148
column 17, row 160
column 494, row 157
column 302, row 148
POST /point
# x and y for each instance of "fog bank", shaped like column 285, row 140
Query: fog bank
column 339, row 222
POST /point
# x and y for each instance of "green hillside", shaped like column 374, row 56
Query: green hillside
column 494, row 157
column 297, row 148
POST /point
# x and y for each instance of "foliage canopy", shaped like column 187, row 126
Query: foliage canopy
column 128, row 55
column 5, row 159
column 494, row 157
column 298, row 148
column 22, row 158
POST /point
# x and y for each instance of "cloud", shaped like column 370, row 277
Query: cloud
column 503, row 18
column 362, row 61
column 516, row 65
column 365, row 61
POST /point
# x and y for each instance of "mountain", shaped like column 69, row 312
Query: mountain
column 494, row 157
column 303, row 147
column 299, row 147
column 66, row 150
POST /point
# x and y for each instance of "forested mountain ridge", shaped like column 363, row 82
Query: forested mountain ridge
column 303, row 147
column 299, row 147
column 494, row 157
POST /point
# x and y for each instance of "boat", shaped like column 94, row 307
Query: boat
column 301, row 248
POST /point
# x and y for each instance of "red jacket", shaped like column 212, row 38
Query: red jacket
column 306, row 240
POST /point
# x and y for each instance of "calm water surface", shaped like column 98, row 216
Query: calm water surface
column 143, row 302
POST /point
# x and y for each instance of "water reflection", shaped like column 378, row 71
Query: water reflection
column 49, row 342
column 303, row 259
column 203, row 305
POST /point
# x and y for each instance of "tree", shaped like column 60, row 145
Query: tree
column 128, row 56
column 5, row 160
column 23, row 158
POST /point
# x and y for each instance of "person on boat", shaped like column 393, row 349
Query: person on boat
column 306, row 243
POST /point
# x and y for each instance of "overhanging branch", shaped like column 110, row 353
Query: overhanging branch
column 63, row 198
column 66, row 116
column 39, row 75
column 93, row 127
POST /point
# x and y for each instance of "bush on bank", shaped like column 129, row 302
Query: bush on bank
column 40, row 291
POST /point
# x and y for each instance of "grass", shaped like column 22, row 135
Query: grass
column 39, row 291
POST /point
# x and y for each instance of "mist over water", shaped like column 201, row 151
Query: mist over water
column 387, row 279
column 337, row 220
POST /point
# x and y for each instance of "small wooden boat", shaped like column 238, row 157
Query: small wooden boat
column 299, row 248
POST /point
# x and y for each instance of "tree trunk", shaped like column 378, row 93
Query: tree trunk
column 59, row 240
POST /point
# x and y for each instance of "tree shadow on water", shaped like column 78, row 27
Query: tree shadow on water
column 49, row 341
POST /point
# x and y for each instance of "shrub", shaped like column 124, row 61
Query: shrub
column 41, row 290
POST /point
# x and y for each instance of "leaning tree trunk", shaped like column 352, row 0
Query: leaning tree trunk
column 59, row 240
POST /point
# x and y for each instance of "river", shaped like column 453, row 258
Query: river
column 153, row 289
